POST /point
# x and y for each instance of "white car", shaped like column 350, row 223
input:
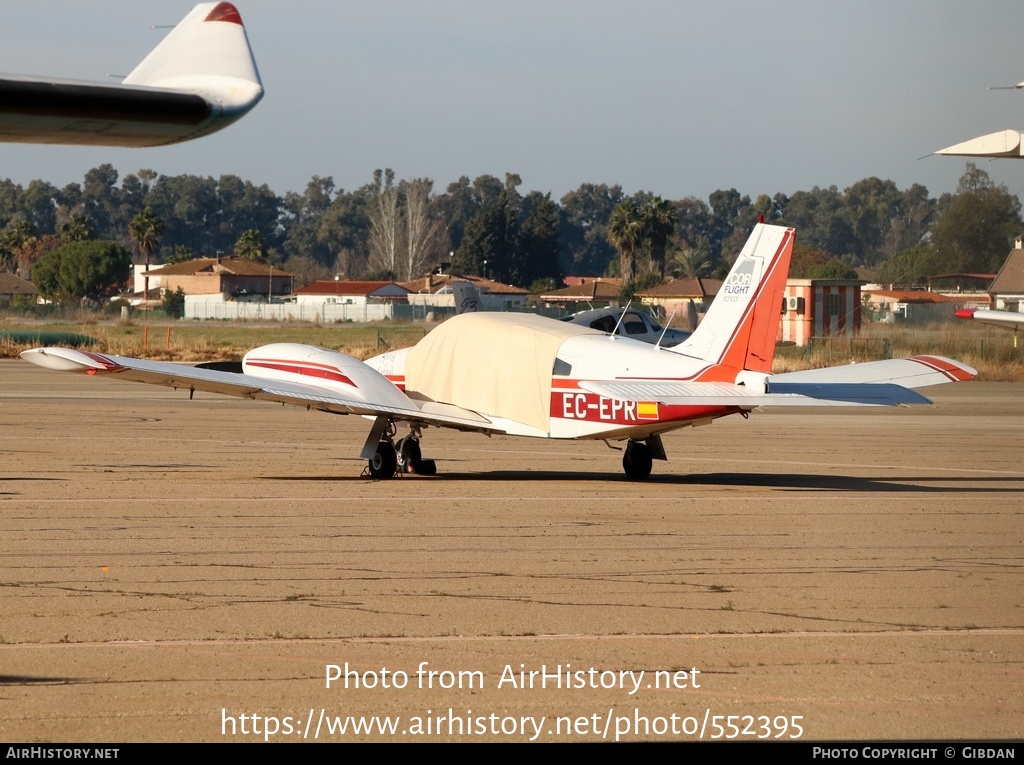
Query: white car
column 636, row 324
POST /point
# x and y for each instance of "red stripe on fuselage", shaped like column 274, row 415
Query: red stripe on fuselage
column 564, row 383
column 591, row 407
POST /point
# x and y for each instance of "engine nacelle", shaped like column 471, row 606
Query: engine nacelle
column 309, row 365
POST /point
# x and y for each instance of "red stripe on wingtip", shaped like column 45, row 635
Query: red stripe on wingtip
column 965, row 313
column 225, row 12
column 108, row 365
column 952, row 371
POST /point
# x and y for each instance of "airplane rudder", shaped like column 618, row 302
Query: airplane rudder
column 740, row 318
column 767, row 308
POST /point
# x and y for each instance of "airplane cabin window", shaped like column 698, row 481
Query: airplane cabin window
column 634, row 324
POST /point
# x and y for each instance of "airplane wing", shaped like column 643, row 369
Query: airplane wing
column 1004, row 144
column 1007, row 319
column 201, row 78
column 378, row 398
column 875, row 383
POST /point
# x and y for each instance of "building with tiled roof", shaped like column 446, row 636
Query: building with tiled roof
column 435, row 291
column 695, row 288
column 596, row 291
column 1007, row 289
column 225, row 276
column 911, row 306
column 12, row 286
column 351, row 292
column 441, row 282
column 675, row 297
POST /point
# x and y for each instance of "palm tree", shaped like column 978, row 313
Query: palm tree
column 14, row 238
column 625, row 230
column 250, row 245
column 690, row 262
column 145, row 230
column 77, row 229
column 659, row 222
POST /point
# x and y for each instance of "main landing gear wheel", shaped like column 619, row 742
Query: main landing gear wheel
column 384, row 462
column 408, row 454
column 410, row 460
column 637, row 461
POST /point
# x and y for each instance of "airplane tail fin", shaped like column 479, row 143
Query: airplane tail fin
column 740, row 328
column 208, row 54
column 467, row 297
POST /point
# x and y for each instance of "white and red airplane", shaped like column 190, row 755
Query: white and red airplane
column 525, row 375
column 199, row 79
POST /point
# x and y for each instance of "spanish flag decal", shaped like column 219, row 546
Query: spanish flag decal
column 647, row 410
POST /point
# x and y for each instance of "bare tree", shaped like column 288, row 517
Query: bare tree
column 348, row 264
column 422, row 233
column 385, row 222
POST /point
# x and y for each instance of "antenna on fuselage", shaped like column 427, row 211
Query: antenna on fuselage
column 621, row 317
column 657, row 345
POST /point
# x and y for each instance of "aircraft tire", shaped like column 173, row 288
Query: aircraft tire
column 384, row 462
column 409, row 455
column 636, row 461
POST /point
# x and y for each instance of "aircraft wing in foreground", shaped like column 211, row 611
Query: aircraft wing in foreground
column 525, row 375
column 199, row 79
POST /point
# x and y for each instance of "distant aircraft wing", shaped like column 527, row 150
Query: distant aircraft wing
column 384, row 400
column 1007, row 319
column 1004, row 144
column 201, row 78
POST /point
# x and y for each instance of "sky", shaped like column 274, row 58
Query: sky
column 676, row 98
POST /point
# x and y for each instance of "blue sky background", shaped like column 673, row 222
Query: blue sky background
column 676, row 98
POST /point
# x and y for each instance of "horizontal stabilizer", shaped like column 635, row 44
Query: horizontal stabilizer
column 910, row 372
column 862, row 394
column 781, row 394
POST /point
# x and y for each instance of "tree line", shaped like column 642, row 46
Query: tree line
column 400, row 228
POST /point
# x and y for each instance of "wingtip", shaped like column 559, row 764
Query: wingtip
column 69, row 360
column 954, row 371
column 225, row 12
